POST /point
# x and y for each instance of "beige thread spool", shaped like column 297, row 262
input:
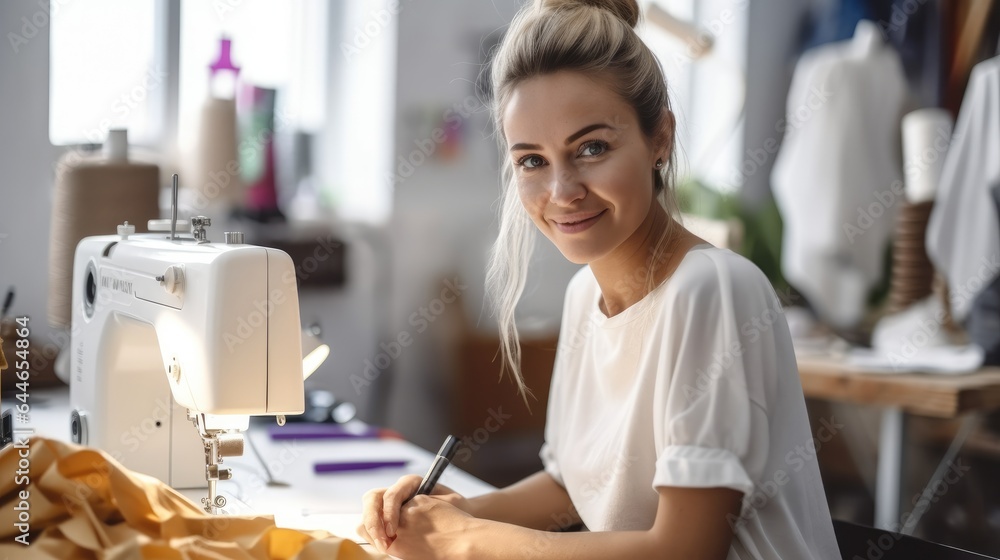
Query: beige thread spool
column 214, row 173
column 93, row 194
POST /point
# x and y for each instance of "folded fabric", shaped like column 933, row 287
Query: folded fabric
column 954, row 360
column 69, row 501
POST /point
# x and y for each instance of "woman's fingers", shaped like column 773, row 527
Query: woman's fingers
column 371, row 519
column 382, row 506
column 392, row 501
column 363, row 533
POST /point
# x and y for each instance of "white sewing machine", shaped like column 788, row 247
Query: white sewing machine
column 170, row 331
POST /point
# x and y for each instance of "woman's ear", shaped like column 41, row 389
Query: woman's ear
column 665, row 136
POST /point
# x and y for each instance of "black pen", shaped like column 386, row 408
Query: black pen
column 441, row 462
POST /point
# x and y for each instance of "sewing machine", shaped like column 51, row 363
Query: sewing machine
column 170, row 331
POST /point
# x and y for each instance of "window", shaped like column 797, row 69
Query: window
column 333, row 64
column 708, row 93
column 95, row 84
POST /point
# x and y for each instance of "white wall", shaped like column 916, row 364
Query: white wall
column 771, row 42
column 27, row 162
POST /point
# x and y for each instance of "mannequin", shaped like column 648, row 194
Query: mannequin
column 837, row 178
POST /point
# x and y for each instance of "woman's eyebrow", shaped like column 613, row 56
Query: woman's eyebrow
column 572, row 137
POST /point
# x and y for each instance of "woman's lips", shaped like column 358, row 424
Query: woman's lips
column 576, row 227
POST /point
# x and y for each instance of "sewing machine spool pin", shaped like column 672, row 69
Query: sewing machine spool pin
column 173, row 209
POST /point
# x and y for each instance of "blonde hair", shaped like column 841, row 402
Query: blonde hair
column 597, row 38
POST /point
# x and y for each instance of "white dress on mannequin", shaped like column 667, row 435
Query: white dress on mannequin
column 837, row 179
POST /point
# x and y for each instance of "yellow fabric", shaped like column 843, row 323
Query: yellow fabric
column 84, row 504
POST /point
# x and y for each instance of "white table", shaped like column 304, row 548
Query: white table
column 327, row 501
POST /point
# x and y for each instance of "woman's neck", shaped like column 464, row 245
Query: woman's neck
column 623, row 275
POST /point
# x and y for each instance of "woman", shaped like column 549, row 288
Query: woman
column 676, row 425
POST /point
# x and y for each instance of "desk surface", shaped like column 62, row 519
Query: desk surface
column 329, row 501
column 925, row 394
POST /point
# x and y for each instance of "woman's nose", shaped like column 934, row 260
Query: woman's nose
column 565, row 187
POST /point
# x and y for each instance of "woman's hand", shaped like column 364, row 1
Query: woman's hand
column 380, row 519
column 433, row 527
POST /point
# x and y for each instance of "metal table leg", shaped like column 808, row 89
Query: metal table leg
column 889, row 476
column 969, row 424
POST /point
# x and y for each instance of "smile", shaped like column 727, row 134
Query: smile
column 580, row 225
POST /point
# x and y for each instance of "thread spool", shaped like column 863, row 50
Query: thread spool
column 926, row 134
column 215, row 175
column 93, row 195
column 912, row 270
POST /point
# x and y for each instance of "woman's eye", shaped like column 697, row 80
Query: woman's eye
column 591, row 149
column 595, row 148
column 530, row 162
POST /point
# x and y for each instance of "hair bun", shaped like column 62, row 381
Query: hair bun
column 626, row 10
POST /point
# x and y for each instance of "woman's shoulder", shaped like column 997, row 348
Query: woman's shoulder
column 710, row 273
column 709, row 261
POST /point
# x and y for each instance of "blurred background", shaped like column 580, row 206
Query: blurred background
column 850, row 148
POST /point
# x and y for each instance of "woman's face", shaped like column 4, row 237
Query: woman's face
column 582, row 164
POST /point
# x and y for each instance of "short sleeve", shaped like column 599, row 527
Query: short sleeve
column 550, row 464
column 711, row 424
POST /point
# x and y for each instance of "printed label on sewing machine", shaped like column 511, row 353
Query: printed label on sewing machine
column 116, row 284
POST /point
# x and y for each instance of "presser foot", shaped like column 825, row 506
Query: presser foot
column 218, row 444
column 215, row 502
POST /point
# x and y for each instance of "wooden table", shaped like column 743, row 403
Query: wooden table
column 898, row 394
column 923, row 394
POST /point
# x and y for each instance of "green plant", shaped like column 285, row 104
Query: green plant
column 762, row 225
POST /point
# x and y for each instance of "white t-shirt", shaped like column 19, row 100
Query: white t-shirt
column 695, row 385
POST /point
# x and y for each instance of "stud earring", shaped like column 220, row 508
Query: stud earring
column 659, row 163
